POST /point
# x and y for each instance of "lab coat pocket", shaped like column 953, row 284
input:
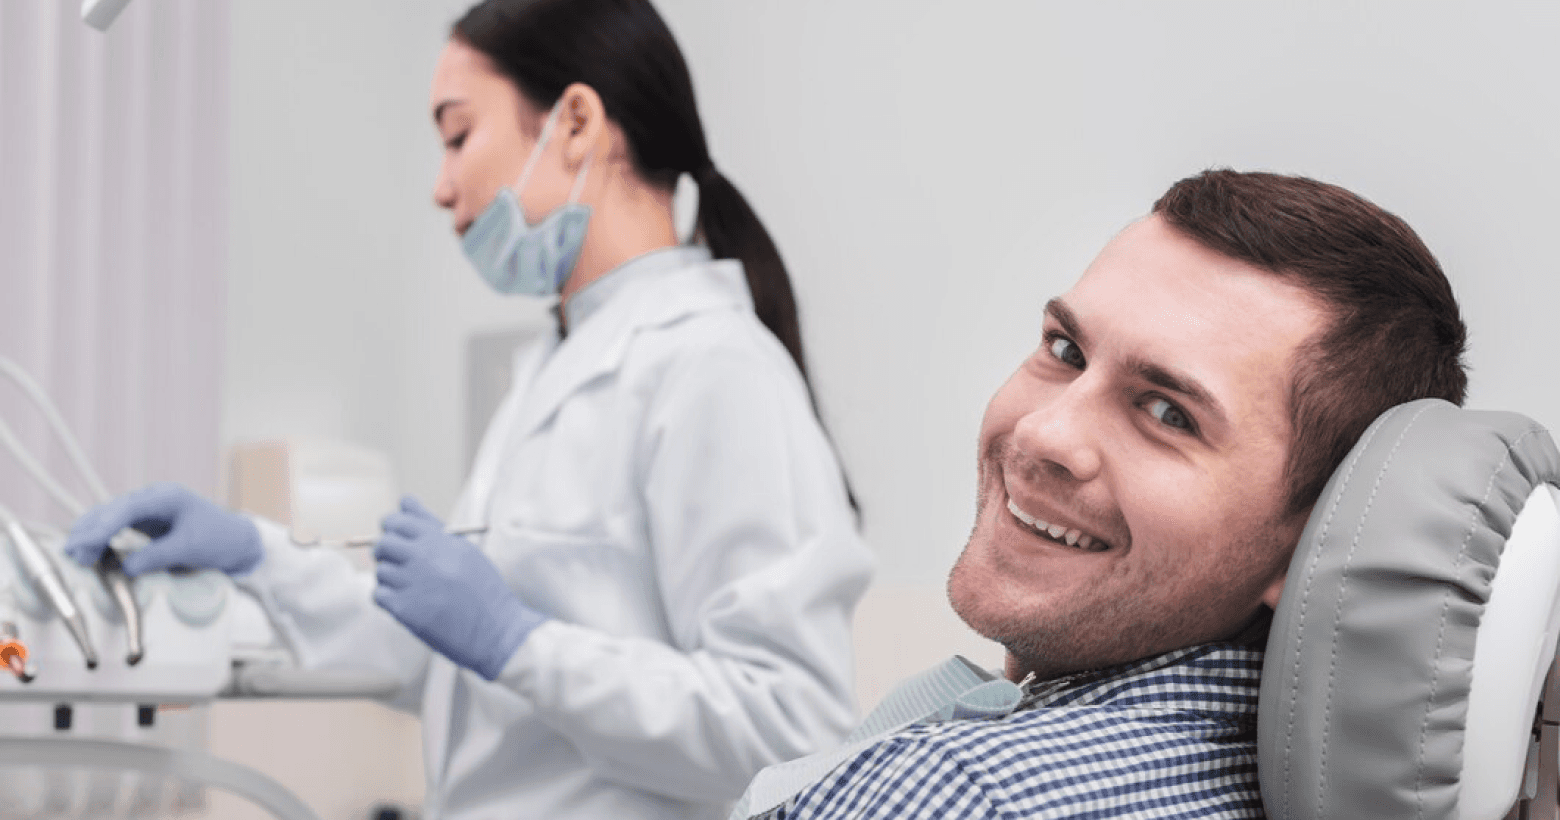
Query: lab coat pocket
column 590, row 580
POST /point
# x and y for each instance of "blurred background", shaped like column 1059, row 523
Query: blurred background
column 217, row 228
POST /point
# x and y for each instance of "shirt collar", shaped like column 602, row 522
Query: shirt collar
column 590, row 298
column 1212, row 678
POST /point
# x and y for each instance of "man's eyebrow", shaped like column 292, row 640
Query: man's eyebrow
column 438, row 110
column 1155, row 374
column 1174, row 382
column 1064, row 316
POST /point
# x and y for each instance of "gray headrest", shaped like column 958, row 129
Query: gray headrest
column 1371, row 655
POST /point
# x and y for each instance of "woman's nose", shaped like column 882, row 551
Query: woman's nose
column 444, row 191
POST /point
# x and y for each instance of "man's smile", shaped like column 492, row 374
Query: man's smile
column 1060, row 533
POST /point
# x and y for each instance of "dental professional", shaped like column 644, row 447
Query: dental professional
column 661, row 604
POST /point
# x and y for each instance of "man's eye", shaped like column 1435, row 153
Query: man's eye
column 1066, row 352
column 1170, row 416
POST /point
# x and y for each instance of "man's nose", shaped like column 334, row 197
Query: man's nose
column 1065, row 433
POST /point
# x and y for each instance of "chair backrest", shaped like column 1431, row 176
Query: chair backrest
column 1417, row 624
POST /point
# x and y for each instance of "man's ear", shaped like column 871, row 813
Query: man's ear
column 1274, row 590
column 1296, row 528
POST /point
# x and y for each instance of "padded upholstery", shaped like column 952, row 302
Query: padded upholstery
column 1371, row 652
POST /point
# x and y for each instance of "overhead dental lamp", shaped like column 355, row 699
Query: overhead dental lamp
column 100, row 14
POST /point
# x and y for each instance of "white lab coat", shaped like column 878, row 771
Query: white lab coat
column 659, row 485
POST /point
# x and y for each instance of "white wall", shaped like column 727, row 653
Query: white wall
column 932, row 172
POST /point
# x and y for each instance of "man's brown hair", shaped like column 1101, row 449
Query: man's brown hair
column 1395, row 333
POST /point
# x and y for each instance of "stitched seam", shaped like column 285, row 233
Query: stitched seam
column 1343, row 588
column 1305, row 600
column 1446, row 605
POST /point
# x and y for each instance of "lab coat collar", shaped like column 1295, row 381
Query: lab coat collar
column 648, row 291
column 590, row 298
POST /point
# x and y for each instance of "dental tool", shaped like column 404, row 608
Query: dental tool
column 112, row 575
column 109, row 571
column 367, row 540
column 40, row 571
column 114, row 579
column 13, row 653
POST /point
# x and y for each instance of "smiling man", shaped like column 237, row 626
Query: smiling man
column 1144, row 477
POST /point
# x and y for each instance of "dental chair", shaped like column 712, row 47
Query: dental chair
column 1417, row 629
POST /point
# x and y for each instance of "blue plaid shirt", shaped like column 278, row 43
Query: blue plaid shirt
column 1170, row 736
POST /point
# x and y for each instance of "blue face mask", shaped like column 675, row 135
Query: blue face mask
column 514, row 256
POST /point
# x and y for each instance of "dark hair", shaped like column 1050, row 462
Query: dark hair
column 623, row 50
column 1395, row 333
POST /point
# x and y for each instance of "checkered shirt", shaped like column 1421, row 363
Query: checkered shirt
column 1169, row 737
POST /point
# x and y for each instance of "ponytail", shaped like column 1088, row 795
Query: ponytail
column 733, row 231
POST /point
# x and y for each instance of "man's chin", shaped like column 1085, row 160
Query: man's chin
column 970, row 593
column 1037, row 640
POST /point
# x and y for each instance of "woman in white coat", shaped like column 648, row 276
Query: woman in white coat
column 661, row 603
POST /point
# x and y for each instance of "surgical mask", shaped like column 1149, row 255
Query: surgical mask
column 514, row 256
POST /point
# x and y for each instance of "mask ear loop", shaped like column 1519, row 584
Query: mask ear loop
column 579, row 179
column 536, row 152
column 574, row 197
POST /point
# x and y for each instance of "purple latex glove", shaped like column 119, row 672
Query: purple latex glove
column 186, row 531
column 448, row 593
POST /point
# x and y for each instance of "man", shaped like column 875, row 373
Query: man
column 1143, row 479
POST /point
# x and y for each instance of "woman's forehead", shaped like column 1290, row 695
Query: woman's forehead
column 465, row 76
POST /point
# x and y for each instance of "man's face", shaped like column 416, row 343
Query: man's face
column 1149, row 433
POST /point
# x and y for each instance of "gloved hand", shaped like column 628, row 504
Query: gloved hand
column 448, row 593
column 186, row 530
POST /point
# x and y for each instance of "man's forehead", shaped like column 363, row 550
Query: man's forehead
column 1152, row 266
column 1153, row 245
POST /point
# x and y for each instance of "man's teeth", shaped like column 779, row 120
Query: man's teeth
column 1072, row 538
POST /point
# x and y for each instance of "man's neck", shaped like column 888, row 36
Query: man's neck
column 1251, row 635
